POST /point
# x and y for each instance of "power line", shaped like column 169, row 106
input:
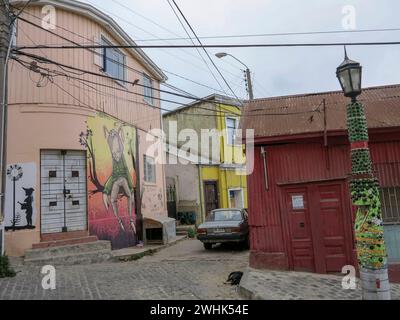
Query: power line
column 251, row 45
column 197, row 49
column 155, row 36
column 102, row 55
column 222, row 113
column 208, row 55
column 261, row 35
column 20, row 12
column 46, row 60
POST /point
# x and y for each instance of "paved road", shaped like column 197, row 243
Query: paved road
column 183, row 271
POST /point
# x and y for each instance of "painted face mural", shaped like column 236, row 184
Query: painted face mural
column 111, row 149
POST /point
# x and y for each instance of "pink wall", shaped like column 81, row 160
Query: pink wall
column 48, row 118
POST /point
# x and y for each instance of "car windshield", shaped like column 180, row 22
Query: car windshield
column 228, row 215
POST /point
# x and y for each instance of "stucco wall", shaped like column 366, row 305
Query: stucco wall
column 51, row 115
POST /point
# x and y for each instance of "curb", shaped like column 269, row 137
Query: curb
column 146, row 252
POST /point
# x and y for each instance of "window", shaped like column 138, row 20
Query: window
column 231, row 126
column 390, row 205
column 149, row 169
column 113, row 61
column 148, row 89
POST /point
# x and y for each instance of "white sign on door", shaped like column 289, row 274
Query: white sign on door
column 298, row 202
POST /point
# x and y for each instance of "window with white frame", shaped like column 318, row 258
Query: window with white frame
column 149, row 169
column 148, row 89
column 231, row 126
column 114, row 61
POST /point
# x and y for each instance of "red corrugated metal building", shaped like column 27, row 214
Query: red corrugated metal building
column 301, row 217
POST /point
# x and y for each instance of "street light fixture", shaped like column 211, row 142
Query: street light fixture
column 349, row 74
column 364, row 187
column 221, row 55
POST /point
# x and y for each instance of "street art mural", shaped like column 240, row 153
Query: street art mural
column 20, row 210
column 112, row 171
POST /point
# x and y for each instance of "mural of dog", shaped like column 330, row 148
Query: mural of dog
column 120, row 181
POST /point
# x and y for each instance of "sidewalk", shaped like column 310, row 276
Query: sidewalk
column 135, row 253
column 281, row 285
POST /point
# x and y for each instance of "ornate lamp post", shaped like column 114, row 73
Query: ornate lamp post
column 370, row 244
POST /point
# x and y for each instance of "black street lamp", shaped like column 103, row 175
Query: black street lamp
column 364, row 187
column 349, row 74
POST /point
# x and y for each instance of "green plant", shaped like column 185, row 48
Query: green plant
column 191, row 233
column 6, row 270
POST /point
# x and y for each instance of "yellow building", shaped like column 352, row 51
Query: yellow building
column 215, row 180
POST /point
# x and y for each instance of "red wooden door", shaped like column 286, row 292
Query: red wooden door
column 319, row 227
column 301, row 243
column 330, row 216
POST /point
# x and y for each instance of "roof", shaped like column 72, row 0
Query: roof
column 302, row 114
column 106, row 22
column 212, row 98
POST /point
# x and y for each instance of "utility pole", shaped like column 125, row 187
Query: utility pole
column 247, row 73
column 6, row 26
column 249, row 84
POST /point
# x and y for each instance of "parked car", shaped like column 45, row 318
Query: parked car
column 224, row 225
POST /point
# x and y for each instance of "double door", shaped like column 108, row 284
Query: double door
column 319, row 227
column 63, row 191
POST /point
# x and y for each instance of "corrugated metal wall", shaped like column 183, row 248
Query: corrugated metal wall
column 294, row 163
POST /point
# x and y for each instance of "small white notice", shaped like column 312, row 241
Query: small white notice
column 298, row 202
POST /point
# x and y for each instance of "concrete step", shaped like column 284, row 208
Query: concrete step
column 72, row 259
column 70, row 254
column 66, row 242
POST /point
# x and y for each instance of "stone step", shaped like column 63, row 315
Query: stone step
column 66, row 242
column 72, row 259
column 62, row 251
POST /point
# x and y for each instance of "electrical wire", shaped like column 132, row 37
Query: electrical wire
column 102, row 55
column 26, row 65
column 208, row 55
column 197, row 49
column 206, row 46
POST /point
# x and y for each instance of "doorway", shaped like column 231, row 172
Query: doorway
column 211, row 196
column 318, row 227
column 63, row 191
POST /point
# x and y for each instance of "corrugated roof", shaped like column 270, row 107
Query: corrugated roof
column 299, row 114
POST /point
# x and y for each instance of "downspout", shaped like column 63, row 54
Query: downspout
column 3, row 152
column 201, row 193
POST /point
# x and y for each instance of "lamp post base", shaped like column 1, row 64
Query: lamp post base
column 375, row 284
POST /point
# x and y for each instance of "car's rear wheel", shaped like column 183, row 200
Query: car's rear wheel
column 208, row 246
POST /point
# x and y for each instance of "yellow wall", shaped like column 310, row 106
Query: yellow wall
column 227, row 178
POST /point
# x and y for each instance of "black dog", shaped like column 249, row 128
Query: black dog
column 27, row 205
column 234, row 278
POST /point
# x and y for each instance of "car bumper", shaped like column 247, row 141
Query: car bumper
column 219, row 238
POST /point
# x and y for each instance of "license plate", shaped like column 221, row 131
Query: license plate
column 219, row 231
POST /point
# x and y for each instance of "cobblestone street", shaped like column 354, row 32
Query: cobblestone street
column 183, row 271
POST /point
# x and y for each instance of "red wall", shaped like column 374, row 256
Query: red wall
column 294, row 163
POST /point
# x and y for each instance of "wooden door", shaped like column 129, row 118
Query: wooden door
column 300, row 231
column 211, row 196
column 330, row 216
column 319, row 227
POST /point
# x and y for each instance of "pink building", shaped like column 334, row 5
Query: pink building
column 77, row 157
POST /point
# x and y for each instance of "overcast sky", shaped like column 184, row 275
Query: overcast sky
column 276, row 71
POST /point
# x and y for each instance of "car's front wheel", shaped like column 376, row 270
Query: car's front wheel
column 208, row 246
